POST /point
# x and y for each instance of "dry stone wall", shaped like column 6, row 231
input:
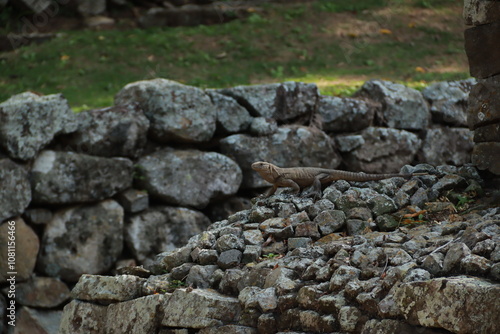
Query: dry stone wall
column 90, row 192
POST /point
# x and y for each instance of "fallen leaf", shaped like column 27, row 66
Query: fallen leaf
column 385, row 31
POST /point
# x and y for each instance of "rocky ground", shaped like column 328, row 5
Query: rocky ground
column 390, row 256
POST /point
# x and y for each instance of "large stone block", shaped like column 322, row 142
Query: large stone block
column 177, row 112
column 402, row 107
column 481, row 46
column 188, row 177
column 67, row 177
column 457, row 304
column 200, row 308
column 30, row 122
column 486, row 156
column 484, row 101
column 82, row 239
column 477, row 12
column 83, row 318
column 15, row 194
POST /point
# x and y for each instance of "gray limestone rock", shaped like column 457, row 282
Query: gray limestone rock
column 16, row 190
column 107, row 289
column 281, row 101
column 229, row 258
column 172, row 226
column 444, row 145
column 67, row 177
column 385, row 150
column 402, row 107
column 201, row 276
column 448, row 100
column 199, row 308
column 82, row 318
column 109, row 132
column 176, row 112
column 188, row 177
column 473, row 308
column 82, row 239
column 139, row 315
column 284, row 148
column 231, row 116
column 30, row 122
column 345, row 114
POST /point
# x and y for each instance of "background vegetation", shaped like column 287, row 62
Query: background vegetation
column 336, row 44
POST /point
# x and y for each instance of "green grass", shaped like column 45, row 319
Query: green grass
column 319, row 42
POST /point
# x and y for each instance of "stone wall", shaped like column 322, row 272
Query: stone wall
column 90, row 192
column 481, row 45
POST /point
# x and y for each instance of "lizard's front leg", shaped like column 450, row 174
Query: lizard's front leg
column 289, row 183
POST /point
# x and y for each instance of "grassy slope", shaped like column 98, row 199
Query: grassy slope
column 414, row 42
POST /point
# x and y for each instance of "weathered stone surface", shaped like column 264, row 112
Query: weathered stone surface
column 67, row 177
column 201, row 276
column 457, row 304
column 478, row 12
column 485, row 156
column 444, row 145
column 477, row 39
column 16, row 191
column 281, row 101
column 166, row 261
column 285, row 148
column 37, row 216
column 231, row 116
column 402, row 107
column 391, row 326
column 107, row 289
column 140, row 315
column 199, row 309
column 176, row 112
column 133, row 200
column 26, row 250
column 188, row 177
column 33, row 321
column 83, row 318
column 385, row 150
column 30, row 122
column 448, row 101
column 109, row 132
column 172, row 226
column 91, row 8
column 45, row 292
column 484, row 98
column 487, row 133
column 228, row 329
column 82, row 239
column 345, row 114
column 263, row 126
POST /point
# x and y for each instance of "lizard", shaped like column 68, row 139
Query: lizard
column 299, row 178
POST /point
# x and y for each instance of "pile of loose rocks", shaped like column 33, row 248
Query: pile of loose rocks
column 390, row 256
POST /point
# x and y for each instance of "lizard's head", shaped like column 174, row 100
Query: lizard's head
column 266, row 170
column 261, row 166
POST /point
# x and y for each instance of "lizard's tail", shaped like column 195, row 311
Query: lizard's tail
column 352, row 176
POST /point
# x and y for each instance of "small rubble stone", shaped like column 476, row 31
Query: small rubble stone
column 229, row 259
